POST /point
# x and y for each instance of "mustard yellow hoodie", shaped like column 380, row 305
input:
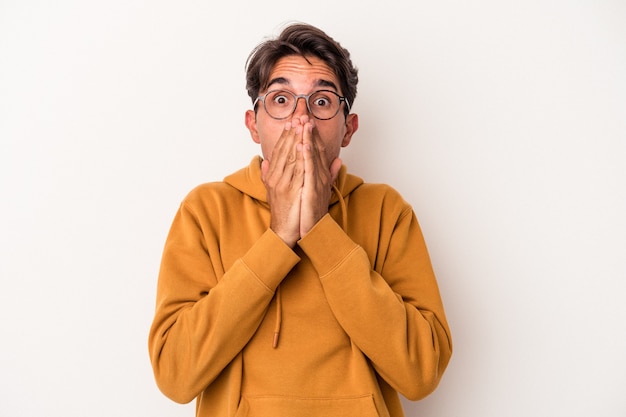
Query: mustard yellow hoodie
column 336, row 326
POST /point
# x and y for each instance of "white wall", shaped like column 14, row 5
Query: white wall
column 502, row 122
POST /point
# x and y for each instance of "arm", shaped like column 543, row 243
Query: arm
column 393, row 313
column 203, row 320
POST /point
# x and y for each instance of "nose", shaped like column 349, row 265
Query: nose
column 301, row 107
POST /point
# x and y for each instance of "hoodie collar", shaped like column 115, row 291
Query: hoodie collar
column 248, row 181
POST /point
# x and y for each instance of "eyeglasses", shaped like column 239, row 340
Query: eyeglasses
column 322, row 104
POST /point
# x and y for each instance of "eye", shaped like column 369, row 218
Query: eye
column 321, row 102
column 281, row 98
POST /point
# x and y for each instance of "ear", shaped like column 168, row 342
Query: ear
column 352, row 125
column 251, row 125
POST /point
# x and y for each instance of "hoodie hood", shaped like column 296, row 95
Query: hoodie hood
column 248, row 180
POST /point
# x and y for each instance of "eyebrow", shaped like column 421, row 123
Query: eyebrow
column 318, row 83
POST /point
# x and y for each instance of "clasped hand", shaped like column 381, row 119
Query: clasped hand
column 298, row 179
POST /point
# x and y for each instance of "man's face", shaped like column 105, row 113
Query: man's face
column 295, row 74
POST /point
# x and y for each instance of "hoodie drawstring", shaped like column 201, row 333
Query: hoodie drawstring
column 344, row 211
column 278, row 317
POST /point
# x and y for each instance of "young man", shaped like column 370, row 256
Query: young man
column 292, row 288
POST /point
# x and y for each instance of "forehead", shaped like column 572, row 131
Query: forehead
column 295, row 71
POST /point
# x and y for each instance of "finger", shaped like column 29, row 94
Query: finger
column 297, row 177
column 335, row 167
column 310, row 138
column 309, row 153
column 265, row 166
column 320, row 152
column 284, row 151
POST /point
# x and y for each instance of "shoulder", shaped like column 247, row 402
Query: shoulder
column 378, row 192
column 376, row 200
column 210, row 194
column 209, row 189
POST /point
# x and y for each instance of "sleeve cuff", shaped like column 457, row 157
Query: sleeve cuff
column 327, row 245
column 270, row 259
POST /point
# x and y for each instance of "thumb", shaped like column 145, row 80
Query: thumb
column 265, row 166
column 335, row 166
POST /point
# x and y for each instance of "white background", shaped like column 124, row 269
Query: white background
column 502, row 122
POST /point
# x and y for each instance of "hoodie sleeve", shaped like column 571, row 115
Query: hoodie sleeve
column 205, row 316
column 388, row 302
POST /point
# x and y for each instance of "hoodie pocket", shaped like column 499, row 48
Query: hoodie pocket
column 279, row 406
